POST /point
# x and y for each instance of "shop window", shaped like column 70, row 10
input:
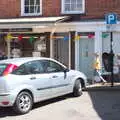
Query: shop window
column 73, row 6
column 40, row 47
column 31, row 7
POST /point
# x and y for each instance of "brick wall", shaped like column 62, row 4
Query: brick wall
column 93, row 8
column 98, row 8
column 9, row 8
column 51, row 7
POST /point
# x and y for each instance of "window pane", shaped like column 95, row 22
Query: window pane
column 32, row 6
column 37, row 9
column 31, row 9
column 38, row 2
column 26, row 9
column 79, row 1
column 79, row 7
column 26, row 2
column 67, row 7
column 73, row 5
column 67, row 1
column 32, row 2
column 73, row 1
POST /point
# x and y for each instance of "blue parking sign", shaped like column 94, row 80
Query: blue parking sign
column 111, row 18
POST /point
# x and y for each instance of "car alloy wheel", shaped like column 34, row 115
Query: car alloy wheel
column 23, row 103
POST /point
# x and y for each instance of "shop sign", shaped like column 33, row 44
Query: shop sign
column 16, row 30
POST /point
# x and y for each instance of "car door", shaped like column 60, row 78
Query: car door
column 58, row 77
column 40, row 80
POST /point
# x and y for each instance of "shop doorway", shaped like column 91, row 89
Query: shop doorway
column 61, row 50
column 86, row 56
column 40, row 47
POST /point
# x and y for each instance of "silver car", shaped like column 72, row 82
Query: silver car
column 24, row 81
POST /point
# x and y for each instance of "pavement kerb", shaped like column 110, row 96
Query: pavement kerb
column 101, row 87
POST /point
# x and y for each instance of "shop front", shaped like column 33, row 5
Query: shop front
column 17, row 38
column 72, row 43
column 84, row 39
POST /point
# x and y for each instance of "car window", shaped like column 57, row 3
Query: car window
column 22, row 70
column 32, row 67
column 36, row 67
column 51, row 66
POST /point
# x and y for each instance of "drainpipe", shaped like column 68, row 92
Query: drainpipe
column 77, row 52
column 51, row 42
column 8, row 47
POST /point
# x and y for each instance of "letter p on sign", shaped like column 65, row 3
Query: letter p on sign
column 111, row 18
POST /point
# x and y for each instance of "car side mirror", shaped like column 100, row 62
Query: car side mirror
column 66, row 70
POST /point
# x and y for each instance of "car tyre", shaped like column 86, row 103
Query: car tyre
column 77, row 90
column 23, row 103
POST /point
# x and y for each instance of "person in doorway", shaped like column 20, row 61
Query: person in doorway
column 16, row 53
column 106, row 61
column 97, row 68
column 118, row 65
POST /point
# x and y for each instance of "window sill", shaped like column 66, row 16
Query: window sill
column 72, row 12
column 31, row 14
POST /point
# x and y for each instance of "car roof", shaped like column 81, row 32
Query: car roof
column 19, row 61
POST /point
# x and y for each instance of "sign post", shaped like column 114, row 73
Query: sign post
column 111, row 19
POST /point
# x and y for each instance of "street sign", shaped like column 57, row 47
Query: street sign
column 111, row 18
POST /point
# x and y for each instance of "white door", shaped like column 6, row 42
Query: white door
column 86, row 57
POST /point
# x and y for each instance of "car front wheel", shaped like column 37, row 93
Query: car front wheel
column 23, row 103
column 77, row 90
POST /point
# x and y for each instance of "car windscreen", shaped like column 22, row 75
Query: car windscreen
column 2, row 68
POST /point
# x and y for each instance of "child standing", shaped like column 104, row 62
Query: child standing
column 97, row 68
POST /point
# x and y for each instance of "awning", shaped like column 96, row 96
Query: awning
column 33, row 20
column 29, row 22
column 56, row 26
